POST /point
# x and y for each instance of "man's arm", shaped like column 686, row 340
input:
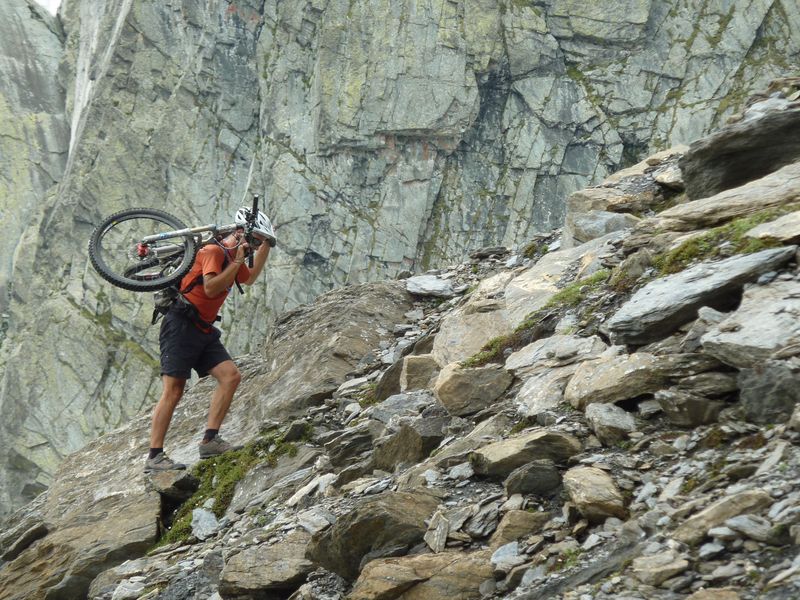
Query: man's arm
column 215, row 284
column 259, row 260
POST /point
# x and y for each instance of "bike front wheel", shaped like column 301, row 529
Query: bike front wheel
column 118, row 254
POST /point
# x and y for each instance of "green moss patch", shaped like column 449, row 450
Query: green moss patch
column 219, row 476
column 726, row 240
column 539, row 323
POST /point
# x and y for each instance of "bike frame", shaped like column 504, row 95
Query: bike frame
column 170, row 249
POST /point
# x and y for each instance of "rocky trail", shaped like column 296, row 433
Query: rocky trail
column 609, row 412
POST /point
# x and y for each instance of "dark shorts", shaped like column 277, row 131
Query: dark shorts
column 185, row 347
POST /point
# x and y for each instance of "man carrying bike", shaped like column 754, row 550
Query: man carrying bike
column 188, row 340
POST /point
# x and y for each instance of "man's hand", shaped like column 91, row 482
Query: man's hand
column 242, row 249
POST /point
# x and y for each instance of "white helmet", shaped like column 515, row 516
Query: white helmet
column 262, row 226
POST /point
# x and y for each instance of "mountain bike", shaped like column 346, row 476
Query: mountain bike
column 146, row 249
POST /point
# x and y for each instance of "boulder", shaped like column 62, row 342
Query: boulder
column 687, row 409
column 694, row 529
column 464, row 391
column 610, row 423
column 542, row 391
column 767, row 320
column 712, row 384
column 430, row 285
column 784, row 229
column 442, row 576
column 499, row 459
column 389, row 382
column 615, row 378
column 343, row 445
column 594, row 494
column 465, row 330
column 379, row 526
column 540, row 477
column 265, row 569
column 417, row 372
column 313, row 348
column 402, row 405
column 175, row 485
column 655, row 569
column 663, row 305
column 770, row 391
column 741, row 152
column 204, row 523
column 506, row 557
column 554, row 351
column 411, row 443
column 583, row 227
column 517, row 524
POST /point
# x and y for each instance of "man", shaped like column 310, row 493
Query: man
column 188, row 340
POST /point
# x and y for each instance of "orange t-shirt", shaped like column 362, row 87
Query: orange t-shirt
column 209, row 261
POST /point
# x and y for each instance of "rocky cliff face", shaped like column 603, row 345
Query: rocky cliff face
column 386, row 136
column 619, row 418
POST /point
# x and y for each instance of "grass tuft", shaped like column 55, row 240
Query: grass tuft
column 219, row 476
column 726, row 240
column 538, row 322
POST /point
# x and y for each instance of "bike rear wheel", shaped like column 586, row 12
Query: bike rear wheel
column 117, row 254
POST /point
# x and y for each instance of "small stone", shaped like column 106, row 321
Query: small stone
column 204, row 523
column 657, row 568
column 710, row 550
column 430, row 285
column 460, row 472
column 723, row 533
column 506, row 558
column 726, row 572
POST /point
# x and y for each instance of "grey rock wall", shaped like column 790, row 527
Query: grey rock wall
column 384, row 135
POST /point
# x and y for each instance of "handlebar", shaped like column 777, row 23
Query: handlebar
column 251, row 222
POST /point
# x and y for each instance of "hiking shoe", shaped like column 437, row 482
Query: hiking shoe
column 162, row 462
column 215, row 447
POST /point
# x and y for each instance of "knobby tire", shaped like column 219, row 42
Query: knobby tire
column 98, row 253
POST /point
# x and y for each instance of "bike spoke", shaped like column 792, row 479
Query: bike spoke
column 123, row 253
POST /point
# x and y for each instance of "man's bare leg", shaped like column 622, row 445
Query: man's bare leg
column 228, row 377
column 162, row 414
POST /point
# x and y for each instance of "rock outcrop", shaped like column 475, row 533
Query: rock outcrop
column 549, row 465
column 385, row 138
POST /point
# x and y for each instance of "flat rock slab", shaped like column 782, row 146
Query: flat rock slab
column 430, row 285
column 657, row 568
column 741, row 152
column 665, row 304
column 776, row 189
column 770, row 391
column 442, row 576
column 499, row 459
column 783, row 229
column 259, row 570
column 543, row 391
column 554, row 351
column 466, row 391
column 695, row 528
column 379, row 526
column 767, row 320
column 610, row 423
